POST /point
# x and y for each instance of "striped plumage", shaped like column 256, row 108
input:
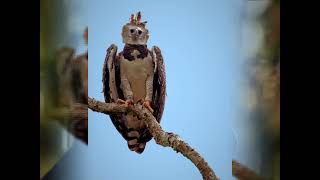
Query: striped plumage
column 112, row 91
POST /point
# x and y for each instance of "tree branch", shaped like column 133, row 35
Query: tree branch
column 165, row 139
column 161, row 137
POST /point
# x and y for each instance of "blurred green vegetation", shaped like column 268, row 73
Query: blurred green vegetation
column 52, row 28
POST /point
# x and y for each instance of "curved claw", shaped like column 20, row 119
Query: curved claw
column 148, row 106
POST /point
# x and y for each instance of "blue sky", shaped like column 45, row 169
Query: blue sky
column 200, row 43
column 204, row 46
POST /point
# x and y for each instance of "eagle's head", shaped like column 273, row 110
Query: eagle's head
column 135, row 31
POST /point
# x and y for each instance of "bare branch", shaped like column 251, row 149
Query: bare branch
column 106, row 108
column 161, row 137
column 172, row 140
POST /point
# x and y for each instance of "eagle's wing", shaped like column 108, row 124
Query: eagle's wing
column 111, row 87
column 159, row 83
column 109, row 72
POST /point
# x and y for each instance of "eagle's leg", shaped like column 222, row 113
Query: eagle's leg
column 149, row 90
column 125, row 103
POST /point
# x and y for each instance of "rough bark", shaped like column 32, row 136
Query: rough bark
column 161, row 137
column 166, row 139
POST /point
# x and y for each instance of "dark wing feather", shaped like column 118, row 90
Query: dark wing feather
column 112, row 59
column 105, row 73
column 159, row 85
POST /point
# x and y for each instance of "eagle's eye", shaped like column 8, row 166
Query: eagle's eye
column 139, row 32
column 131, row 31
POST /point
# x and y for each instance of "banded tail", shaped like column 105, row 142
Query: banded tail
column 133, row 140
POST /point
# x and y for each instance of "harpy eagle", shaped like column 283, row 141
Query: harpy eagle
column 135, row 75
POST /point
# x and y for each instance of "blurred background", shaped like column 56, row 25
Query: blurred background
column 223, row 77
column 62, row 26
column 258, row 129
